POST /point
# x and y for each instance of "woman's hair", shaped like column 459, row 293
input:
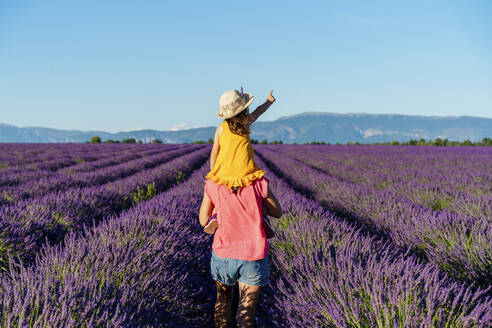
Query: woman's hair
column 240, row 123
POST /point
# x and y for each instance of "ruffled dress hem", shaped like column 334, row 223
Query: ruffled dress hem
column 236, row 182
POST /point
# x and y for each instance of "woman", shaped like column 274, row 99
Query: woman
column 240, row 247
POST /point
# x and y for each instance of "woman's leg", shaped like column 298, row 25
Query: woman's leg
column 248, row 300
column 222, row 315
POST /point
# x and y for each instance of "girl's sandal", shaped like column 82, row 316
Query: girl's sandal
column 211, row 225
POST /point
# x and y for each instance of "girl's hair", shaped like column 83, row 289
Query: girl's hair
column 240, row 123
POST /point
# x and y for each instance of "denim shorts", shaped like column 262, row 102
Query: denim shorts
column 228, row 271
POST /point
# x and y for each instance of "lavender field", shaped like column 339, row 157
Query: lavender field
column 107, row 235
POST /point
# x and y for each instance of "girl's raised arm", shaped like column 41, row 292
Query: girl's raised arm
column 262, row 108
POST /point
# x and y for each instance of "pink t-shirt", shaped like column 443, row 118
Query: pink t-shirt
column 239, row 234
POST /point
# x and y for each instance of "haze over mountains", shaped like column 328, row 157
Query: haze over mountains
column 300, row 128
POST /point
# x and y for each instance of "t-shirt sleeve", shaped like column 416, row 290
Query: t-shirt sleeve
column 262, row 187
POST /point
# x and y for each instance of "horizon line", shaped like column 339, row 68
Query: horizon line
column 278, row 118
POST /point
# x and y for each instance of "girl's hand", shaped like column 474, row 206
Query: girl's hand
column 264, row 210
column 270, row 97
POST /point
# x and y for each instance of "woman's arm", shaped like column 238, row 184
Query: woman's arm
column 262, row 108
column 205, row 210
column 215, row 148
column 272, row 205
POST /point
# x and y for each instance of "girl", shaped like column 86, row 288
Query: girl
column 231, row 159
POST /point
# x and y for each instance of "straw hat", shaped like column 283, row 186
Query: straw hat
column 233, row 102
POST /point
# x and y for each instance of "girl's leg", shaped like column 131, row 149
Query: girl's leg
column 222, row 315
column 248, row 300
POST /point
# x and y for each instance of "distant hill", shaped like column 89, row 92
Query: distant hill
column 300, row 128
column 369, row 128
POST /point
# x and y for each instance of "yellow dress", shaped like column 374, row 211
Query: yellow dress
column 235, row 165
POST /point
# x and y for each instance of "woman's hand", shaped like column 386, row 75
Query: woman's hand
column 264, row 209
column 272, row 205
column 271, row 98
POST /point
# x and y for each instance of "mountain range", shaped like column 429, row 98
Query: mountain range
column 300, row 128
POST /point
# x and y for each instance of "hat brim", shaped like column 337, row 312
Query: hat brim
column 249, row 102
column 246, row 105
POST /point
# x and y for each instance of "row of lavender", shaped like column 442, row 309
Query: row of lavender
column 150, row 268
column 456, row 179
column 32, row 157
column 145, row 268
column 28, row 224
column 329, row 273
column 12, row 174
column 459, row 244
column 71, row 162
column 89, row 174
column 14, row 155
column 64, row 166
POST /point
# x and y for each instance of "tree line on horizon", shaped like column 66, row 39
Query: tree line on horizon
column 97, row 139
column 411, row 142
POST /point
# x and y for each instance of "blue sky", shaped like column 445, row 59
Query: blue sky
column 124, row 65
